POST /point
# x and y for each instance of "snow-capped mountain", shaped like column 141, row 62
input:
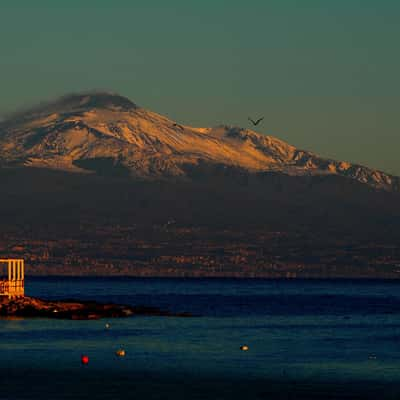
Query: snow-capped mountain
column 107, row 133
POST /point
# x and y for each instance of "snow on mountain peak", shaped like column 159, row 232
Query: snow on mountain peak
column 90, row 131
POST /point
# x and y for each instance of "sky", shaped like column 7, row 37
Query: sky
column 324, row 74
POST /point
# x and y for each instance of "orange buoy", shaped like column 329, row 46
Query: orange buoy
column 244, row 347
column 120, row 353
column 84, row 359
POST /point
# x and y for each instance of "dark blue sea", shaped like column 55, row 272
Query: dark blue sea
column 307, row 339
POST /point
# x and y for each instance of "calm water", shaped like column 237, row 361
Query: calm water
column 307, row 339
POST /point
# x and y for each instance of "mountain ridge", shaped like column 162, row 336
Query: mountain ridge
column 109, row 134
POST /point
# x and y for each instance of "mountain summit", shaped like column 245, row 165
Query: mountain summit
column 108, row 134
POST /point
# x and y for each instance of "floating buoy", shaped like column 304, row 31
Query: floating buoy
column 108, row 326
column 84, row 359
column 120, row 353
column 244, row 347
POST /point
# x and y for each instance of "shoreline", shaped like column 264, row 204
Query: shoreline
column 31, row 307
column 215, row 277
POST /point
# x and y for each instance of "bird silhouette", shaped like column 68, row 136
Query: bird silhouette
column 255, row 123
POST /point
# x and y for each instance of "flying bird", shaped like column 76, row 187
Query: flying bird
column 255, row 123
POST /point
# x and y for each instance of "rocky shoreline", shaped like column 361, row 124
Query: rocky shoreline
column 30, row 307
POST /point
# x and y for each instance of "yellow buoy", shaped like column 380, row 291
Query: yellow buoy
column 244, row 347
column 120, row 353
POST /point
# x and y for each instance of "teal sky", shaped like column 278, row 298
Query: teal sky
column 325, row 74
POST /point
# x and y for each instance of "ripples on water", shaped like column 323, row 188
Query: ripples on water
column 307, row 339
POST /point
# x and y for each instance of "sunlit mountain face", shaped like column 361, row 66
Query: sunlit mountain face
column 107, row 134
column 107, row 187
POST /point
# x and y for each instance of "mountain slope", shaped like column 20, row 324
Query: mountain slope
column 110, row 135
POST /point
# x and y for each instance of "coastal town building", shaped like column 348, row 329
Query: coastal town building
column 12, row 277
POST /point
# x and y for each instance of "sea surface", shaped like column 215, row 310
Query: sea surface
column 307, row 339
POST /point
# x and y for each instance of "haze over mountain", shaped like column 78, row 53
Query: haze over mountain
column 108, row 134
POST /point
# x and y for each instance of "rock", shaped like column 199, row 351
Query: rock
column 30, row 307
